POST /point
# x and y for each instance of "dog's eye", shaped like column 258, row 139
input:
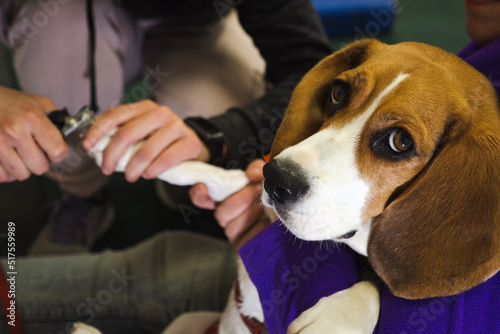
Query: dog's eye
column 339, row 92
column 338, row 97
column 400, row 141
column 394, row 144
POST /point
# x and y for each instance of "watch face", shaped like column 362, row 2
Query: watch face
column 215, row 135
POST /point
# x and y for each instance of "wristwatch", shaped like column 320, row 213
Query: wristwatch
column 210, row 135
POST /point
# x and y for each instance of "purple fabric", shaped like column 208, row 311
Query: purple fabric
column 476, row 311
column 486, row 59
column 291, row 275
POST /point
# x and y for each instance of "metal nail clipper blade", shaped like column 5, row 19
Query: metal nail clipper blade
column 68, row 124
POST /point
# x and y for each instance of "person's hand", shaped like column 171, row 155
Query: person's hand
column 241, row 215
column 28, row 139
column 169, row 140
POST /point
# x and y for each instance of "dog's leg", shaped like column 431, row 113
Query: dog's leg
column 248, row 305
column 354, row 310
column 220, row 182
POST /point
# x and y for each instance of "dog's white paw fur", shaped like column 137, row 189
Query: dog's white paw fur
column 250, row 305
column 351, row 311
column 81, row 328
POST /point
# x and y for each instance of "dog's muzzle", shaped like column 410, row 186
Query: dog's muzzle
column 285, row 182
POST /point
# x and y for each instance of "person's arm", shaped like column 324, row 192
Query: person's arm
column 289, row 36
column 291, row 39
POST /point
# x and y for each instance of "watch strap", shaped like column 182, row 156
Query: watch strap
column 210, row 135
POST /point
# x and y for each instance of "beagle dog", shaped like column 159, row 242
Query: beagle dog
column 395, row 151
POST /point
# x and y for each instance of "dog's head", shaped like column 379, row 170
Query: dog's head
column 395, row 149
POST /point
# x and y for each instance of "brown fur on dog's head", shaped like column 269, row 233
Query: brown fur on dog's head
column 441, row 234
column 438, row 233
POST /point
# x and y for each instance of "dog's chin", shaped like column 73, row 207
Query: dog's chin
column 311, row 232
column 305, row 235
column 309, row 228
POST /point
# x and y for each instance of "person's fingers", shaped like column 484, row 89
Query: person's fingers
column 45, row 103
column 5, row 176
column 150, row 150
column 133, row 131
column 200, row 198
column 241, row 215
column 18, row 144
column 127, row 135
column 235, row 205
column 109, row 120
column 33, row 157
column 28, row 139
column 186, row 148
column 241, row 224
column 113, row 118
column 48, row 138
column 254, row 171
column 12, row 163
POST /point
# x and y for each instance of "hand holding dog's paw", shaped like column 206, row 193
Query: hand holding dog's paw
column 240, row 214
column 168, row 141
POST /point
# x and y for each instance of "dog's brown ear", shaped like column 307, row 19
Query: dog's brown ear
column 304, row 115
column 441, row 235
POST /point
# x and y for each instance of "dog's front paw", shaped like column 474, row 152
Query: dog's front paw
column 351, row 311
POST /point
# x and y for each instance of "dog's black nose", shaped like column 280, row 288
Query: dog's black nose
column 284, row 181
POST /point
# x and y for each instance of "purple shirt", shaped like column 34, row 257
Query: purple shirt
column 476, row 311
column 291, row 275
column 485, row 59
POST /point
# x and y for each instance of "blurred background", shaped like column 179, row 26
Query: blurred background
column 139, row 213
